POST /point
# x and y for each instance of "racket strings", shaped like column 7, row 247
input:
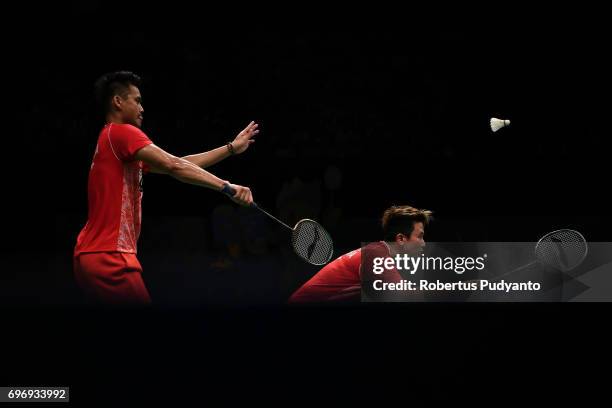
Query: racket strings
column 312, row 243
column 563, row 250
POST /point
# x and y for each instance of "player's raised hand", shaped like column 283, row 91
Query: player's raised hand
column 244, row 138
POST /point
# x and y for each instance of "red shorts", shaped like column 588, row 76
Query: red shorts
column 111, row 277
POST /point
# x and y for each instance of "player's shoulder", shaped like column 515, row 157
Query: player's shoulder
column 355, row 253
column 342, row 260
column 126, row 129
column 378, row 248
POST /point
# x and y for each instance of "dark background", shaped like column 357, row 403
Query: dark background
column 352, row 120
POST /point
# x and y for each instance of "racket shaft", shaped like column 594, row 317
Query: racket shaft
column 271, row 216
column 231, row 193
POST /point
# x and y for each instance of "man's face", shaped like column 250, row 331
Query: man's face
column 130, row 106
column 415, row 243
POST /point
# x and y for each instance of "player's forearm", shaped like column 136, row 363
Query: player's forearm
column 209, row 158
column 188, row 172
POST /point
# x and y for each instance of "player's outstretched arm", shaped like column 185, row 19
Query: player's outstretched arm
column 239, row 145
column 163, row 162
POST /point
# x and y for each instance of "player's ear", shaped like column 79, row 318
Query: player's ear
column 400, row 238
column 116, row 101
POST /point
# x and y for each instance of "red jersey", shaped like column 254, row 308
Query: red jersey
column 113, row 191
column 340, row 280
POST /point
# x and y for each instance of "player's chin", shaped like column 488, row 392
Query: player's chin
column 415, row 252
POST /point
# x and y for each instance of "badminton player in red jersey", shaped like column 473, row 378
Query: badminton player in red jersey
column 340, row 280
column 105, row 263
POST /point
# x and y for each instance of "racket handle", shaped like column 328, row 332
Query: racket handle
column 230, row 192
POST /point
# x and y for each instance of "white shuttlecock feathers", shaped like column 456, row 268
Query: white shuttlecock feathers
column 497, row 124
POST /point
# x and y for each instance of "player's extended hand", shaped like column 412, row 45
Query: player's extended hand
column 243, row 195
column 243, row 140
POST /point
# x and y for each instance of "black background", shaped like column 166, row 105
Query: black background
column 400, row 110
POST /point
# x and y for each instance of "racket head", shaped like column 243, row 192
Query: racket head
column 563, row 249
column 311, row 242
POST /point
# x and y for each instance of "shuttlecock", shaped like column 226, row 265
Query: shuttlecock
column 497, row 124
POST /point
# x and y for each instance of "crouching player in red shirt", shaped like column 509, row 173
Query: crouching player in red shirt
column 341, row 280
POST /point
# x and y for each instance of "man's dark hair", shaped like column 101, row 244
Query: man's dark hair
column 111, row 84
column 401, row 219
